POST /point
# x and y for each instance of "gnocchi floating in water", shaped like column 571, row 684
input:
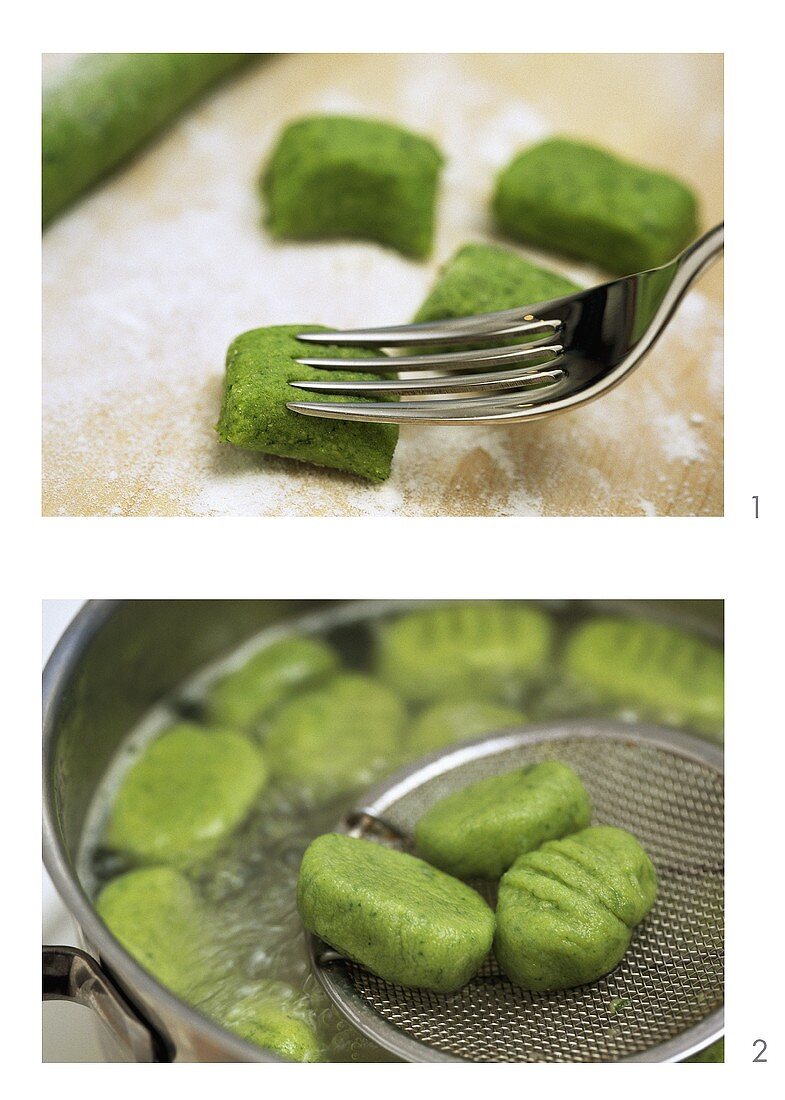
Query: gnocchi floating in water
column 338, row 736
column 268, row 1014
column 465, row 651
column 190, row 789
column 478, row 832
column 657, row 671
column 244, row 697
column 566, row 912
column 155, row 914
column 444, row 724
column 395, row 914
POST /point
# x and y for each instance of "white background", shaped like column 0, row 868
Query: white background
column 736, row 558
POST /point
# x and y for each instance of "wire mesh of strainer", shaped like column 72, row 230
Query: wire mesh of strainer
column 663, row 1001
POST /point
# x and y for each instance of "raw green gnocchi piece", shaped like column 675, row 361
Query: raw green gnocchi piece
column 586, row 202
column 445, row 723
column 188, row 791
column 244, row 697
column 466, row 650
column 656, row 670
column 269, row 1016
column 395, row 914
column 483, row 278
column 103, row 106
column 155, row 914
column 566, row 912
column 337, row 176
column 338, row 736
column 254, row 415
column 479, row 832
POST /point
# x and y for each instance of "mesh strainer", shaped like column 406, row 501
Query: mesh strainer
column 664, row 1000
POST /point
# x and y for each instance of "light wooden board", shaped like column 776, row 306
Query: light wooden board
column 147, row 281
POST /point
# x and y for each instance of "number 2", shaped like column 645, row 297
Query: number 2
column 763, row 1046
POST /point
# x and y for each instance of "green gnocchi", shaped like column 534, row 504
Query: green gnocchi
column 244, row 697
column 491, row 651
column 338, row 736
column 190, row 789
column 269, row 1016
column 655, row 670
column 566, row 911
column 445, row 723
column 395, row 914
column 155, row 914
column 479, row 831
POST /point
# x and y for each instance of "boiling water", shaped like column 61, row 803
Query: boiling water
column 249, row 889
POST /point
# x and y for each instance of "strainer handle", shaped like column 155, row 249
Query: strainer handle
column 72, row 975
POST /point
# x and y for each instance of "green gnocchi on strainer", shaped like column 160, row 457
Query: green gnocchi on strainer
column 480, row 830
column 566, row 911
column 404, row 920
column 493, row 651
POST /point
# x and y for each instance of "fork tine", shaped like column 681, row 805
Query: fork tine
column 461, row 330
column 450, row 360
column 495, row 380
column 467, row 410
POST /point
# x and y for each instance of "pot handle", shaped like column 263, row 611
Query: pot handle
column 72, row 975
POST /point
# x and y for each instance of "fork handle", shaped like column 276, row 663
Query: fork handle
column 695, row 259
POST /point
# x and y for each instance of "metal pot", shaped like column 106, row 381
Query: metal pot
column 113, row 663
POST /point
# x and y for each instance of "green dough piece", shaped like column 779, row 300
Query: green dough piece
column 466, row 650
column 259, row 367
column 185, row 795
column 445, row 723
column 586, row 202
column 566, row 911
column 270, row 1017
column 102, row 107
column 401, row 918
column 661, row 673
column 336, row 737
column 244, row 697
column 483, row 278
column 713, row 1053
column 479, row 832
column 335, row 176
column 156, row 916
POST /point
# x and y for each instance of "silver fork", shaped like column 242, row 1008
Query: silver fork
column 586, row 343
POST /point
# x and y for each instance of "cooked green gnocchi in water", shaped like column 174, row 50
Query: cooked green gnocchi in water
column 195, row 845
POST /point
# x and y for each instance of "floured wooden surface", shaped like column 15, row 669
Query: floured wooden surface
column 148, row 280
